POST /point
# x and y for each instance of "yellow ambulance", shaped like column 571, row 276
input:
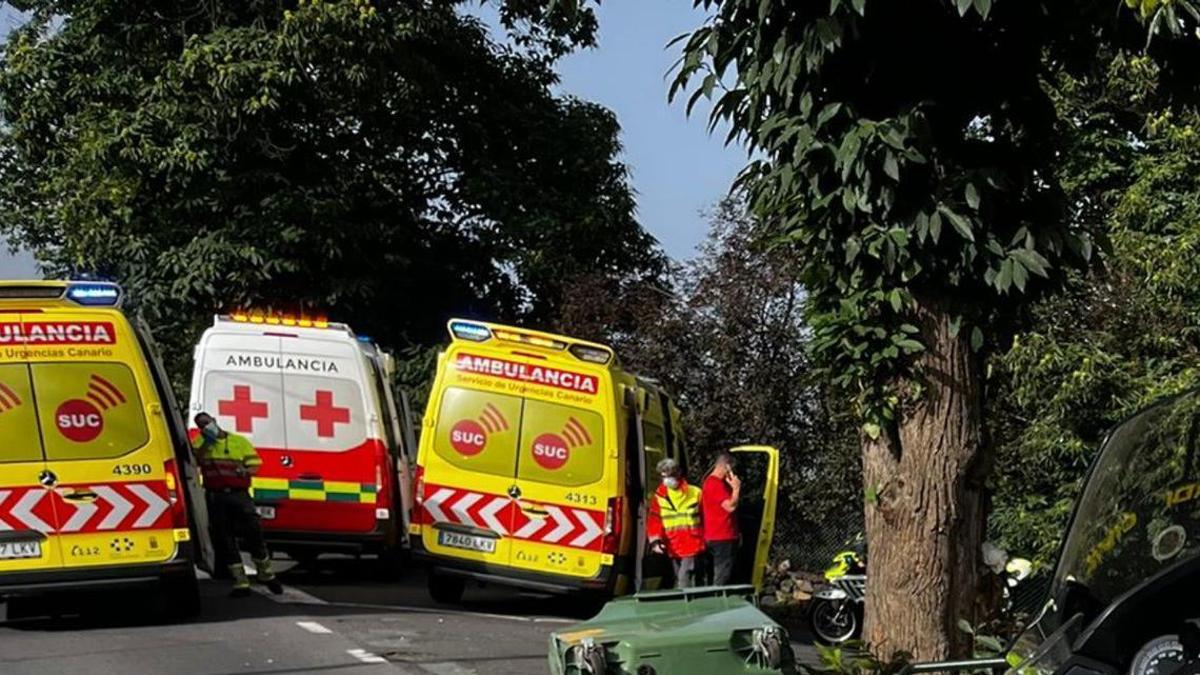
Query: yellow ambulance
column 95, row 475
column 536, row 456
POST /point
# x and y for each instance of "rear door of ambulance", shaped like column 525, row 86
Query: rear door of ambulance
column 110, row 459
column 566, row 473
column 28, row 521
column 334, row 463
column 468, row 463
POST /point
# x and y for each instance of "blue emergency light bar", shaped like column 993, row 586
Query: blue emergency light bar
column 465, row 330
column 94, row 293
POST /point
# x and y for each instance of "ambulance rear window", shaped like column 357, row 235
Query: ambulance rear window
column 323, row 413
column 19, row 441
column 477, row 431
column 561, row 445
column 88, row 410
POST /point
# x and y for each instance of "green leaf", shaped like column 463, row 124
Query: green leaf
column 1004, row 276
column 871, row 494
column 860, row 6
column 955, row 325
column 827, row 113
column 976, row 339
column 984, row 7
column 961, row 225
column 1033, row 261
column 896, row 298
column 935, row 227
column 1019, row 276
column 891, row 167
column 972, row 195
column 989, row 643
column 963, row 6
column 872, row 430
column 965, row 627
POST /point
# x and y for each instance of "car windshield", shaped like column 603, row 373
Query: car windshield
column 1140, row 510
column 1138, row 515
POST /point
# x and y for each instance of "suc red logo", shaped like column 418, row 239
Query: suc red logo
column 550, row 451
column 468, row 438
column 79, row 420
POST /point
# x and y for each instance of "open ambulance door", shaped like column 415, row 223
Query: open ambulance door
column 197, row 507
column 758, row 467
column 637, row 493
column 406, row 460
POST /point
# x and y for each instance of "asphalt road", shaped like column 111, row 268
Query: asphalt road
column 340, row 617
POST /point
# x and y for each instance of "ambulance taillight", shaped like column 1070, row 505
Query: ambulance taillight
column 612, row 525
column 179, row 517
column 419, row 486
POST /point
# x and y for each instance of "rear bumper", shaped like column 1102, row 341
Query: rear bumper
column 502, row 575
column 327, row 541
column 32, row 583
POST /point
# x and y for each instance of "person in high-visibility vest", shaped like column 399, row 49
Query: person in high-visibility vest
column 674, row 523
column 227, row 461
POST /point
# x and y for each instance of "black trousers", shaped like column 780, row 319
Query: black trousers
column 232, row 517
column 723, row 554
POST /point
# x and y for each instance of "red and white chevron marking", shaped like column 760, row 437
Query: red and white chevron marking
column 561, row 525
column 116, row 507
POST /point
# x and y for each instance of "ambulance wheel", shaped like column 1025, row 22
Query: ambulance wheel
column 180, row 597
column 446, row 590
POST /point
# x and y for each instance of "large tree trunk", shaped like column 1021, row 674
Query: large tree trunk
column 926, row 525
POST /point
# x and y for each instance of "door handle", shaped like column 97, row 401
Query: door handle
column 535, row 510
column 81, row 496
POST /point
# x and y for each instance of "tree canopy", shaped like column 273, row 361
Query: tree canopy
column 385, row 162
column 909, row 161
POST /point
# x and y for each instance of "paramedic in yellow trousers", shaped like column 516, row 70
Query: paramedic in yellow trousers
column 674, row 523
column 227, row 461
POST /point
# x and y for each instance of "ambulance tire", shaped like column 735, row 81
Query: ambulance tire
column 180, row 597
column 446, row 590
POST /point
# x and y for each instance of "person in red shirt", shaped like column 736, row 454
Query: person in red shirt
column 718, row 505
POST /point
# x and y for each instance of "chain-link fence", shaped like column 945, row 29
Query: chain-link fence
column 809, row 544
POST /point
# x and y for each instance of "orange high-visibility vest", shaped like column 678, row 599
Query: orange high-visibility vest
column 675, row 516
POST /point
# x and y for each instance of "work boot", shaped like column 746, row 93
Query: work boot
column 267, row 575
column 241, row 582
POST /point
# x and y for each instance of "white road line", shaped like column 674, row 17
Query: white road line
column 366, row 656
column 447, row 668
column 314, row 627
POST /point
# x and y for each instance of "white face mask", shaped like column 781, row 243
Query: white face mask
column 671, row 482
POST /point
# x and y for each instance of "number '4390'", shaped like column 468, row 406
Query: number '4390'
column 131, row 470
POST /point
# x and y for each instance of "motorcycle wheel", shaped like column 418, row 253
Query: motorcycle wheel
column 834, row 622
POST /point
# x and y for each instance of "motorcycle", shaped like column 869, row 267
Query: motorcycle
column 836, row 612
column 1123, row 594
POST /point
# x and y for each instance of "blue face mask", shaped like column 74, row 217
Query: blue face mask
column 211, row 431
column 671, row 482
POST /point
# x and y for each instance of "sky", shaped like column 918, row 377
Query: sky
column 677, row 168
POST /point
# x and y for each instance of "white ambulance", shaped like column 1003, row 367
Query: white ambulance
column 317, row 403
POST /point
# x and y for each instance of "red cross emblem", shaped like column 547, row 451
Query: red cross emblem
column 242, row 409
column 324, row 413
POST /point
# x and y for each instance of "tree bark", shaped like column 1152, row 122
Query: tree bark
column 926, row 525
